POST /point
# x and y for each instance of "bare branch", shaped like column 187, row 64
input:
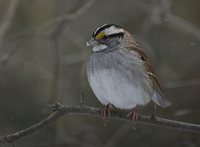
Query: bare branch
column 37, row 30
column 183, row 25
column 61, row 110
column 184, row 83
column 173, row 21
column 8, row 19
column 75, row 15
column 57, row 20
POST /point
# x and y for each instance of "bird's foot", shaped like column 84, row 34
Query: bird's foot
column 105, row 114
column 134, row 116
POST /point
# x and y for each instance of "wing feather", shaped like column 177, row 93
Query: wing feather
column 158, row 96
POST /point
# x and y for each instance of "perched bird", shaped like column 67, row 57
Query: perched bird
column 119, row 72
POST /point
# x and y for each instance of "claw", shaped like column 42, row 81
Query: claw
column 105, row 114
column 134, row 116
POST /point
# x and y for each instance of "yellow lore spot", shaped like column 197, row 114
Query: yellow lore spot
column 100, row 35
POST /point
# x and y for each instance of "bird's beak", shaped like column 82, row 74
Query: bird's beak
column 92, row 42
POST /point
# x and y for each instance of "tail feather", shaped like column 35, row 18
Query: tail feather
column 160, row 100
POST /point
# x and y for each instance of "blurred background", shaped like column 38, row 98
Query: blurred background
column 42, row 60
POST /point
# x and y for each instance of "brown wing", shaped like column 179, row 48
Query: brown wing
column 158, row 96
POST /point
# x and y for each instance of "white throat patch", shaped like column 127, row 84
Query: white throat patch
column 113, row 30
column 98, row 48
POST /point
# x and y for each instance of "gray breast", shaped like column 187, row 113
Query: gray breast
column 118, row 77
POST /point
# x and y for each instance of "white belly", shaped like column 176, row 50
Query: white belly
column 111, row 86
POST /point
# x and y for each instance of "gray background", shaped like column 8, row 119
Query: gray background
column 42, row 55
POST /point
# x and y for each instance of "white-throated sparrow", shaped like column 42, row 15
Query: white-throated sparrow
column 119, row 72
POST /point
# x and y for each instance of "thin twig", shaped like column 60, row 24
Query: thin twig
column 172, row 20
column 183, row 83
column 57, row 20
column 75, row 15
column 61, row 110
column 8, row 19
column 40, row 29
column 82, row 97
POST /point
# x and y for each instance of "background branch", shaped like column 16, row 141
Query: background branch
column 28, row 33
column 61, row 110
column 6, row 23
column 38, row 29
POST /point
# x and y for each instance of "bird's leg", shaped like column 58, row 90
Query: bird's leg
column 153, row 117
column 105, row 114
column 134, row 116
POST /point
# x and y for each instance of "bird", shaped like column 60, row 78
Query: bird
column 120, row 73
